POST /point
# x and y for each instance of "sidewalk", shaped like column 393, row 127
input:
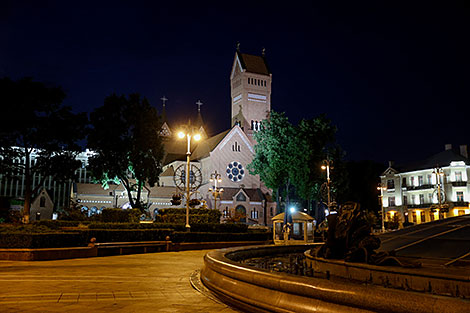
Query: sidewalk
column 155, row 282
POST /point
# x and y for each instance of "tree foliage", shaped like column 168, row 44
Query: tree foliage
column 129, row 150
column 287, row 155
column 37, row 126
column 273, row 151
column 310, row 146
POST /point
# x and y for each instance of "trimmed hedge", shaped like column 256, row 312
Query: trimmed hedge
column 57, row 224
column 215, row 237
column 196, row 216
column 42, row 240
column 114, row 215
column 125, row 235
column 216, row 228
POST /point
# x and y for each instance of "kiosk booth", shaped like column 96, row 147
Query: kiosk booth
column 301, row 230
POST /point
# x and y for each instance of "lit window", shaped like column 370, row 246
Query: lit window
column 458, row 176
column 391, row 201
column 390, row 184
column 460, row 196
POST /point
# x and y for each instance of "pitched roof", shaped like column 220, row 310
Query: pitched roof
column 204, row 147
column 254, row 63
column 254, row 194
column 443, row 158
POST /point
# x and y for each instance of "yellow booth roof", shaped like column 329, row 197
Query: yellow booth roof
column 296, row 216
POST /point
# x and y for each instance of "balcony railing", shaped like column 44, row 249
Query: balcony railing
column 418, row 206
column 459, row 183
column 426, row 186
column 460, row 203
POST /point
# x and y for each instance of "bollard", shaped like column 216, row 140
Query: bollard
column 168, row 243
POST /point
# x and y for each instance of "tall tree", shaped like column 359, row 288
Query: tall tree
column 310, row 146
column 272, row 152
column 37, row 126
column 129, row 150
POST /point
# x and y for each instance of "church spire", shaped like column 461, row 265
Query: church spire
column 199, row 121
column 164, row 99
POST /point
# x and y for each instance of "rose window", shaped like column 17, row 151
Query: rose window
column 235, row 171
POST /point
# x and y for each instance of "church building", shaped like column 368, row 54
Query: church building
column 220, row 159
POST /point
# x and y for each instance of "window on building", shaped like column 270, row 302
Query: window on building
column 460, row 196
column 429, row 179
column 390, row 184
column 391, row 201
column 413, row 199
column 423, row 216
column 254, row 214
column 458, row 176
column 412, row 181
column 420, row 180
column 403, row 182
column 405, row 200
column 461, row 212
column 226, row 212
column 431, row 216
column 413, row 216
column 241, row 197
column 42, row 202
column 271, row 211
column 421, row 199
column 429, row 197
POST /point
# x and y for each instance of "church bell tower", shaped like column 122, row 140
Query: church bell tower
column 250, row 83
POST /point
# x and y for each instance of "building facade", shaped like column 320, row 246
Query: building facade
column 227, row 153
column 432, row 189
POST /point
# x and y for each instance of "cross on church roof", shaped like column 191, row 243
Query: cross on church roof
column 199, row 103
column 164, row 99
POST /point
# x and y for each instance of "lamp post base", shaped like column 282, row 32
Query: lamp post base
column 188, row 228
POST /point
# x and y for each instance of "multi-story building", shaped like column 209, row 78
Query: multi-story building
column 412, row 190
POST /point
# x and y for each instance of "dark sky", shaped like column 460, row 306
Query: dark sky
column 394, row 78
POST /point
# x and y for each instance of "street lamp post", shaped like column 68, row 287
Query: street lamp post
column 382, row 188
column 439, row 172
column 188, row 134
column 216, row 192
column 327, row 165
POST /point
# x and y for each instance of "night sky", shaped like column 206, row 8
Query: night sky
column 393, row 78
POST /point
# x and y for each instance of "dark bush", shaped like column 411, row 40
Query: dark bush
column 42, row 240
column 57, row 224
column 114, row 215
column 196, row 216
column 217, row 237
column 127, row 235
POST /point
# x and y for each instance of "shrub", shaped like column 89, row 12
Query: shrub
column 42, row 240
column 196, row 216
column 114, row 215
column 217, row 237
column 127, row 235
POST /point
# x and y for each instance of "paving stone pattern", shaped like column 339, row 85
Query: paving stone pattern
column 155, row 282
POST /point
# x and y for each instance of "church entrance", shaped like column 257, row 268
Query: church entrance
column 242, row 211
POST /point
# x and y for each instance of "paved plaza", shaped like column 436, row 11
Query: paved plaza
column 155, row 282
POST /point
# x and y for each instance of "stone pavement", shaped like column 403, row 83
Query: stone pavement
column 154, row 282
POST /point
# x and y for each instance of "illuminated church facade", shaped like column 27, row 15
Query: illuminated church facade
column 227, row 153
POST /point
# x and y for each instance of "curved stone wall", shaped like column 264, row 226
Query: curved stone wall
column 256, row 290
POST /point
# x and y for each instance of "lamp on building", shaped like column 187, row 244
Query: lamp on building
column 216, row 192
column 382, row 188
column 188, row 133
column 327, row 165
